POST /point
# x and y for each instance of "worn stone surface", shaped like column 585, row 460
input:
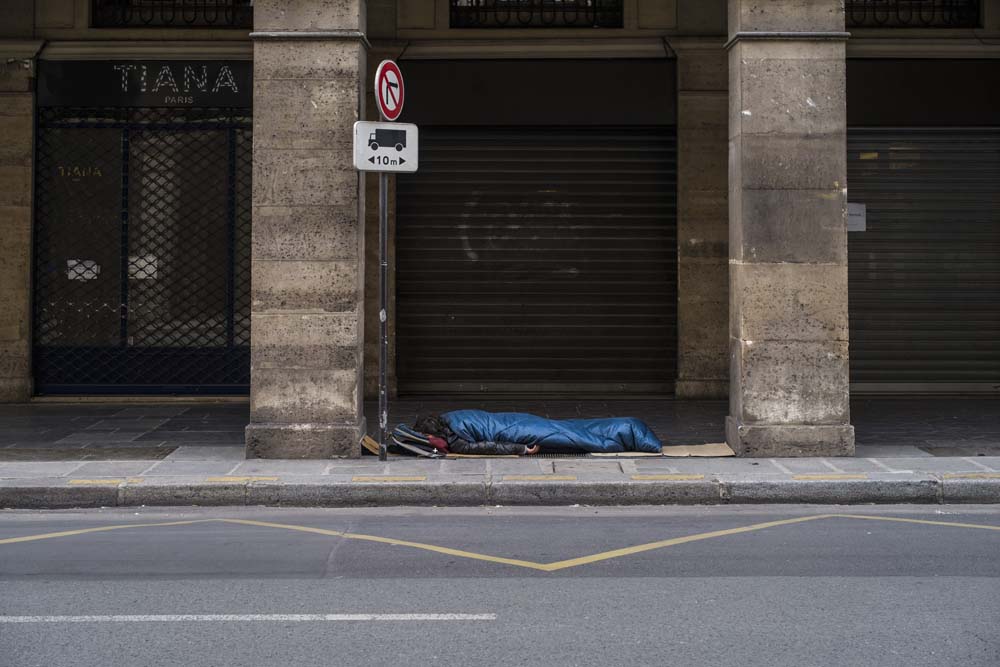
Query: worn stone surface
column 788, row 330
column 702, row 234
column 303, row 441
column 307, row 243
column 786, row 15
column 16, row 144
column 790, row 226
column 305, row 233
column 303, row 341
column 309, row 15
column 305, row 285
column 310, row 396
column 772, row 440
column 792, row 302
column 787, row 382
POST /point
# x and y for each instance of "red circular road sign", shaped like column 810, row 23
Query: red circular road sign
column 389, row 89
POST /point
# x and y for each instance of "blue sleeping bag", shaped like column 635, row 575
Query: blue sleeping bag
column 617, row 434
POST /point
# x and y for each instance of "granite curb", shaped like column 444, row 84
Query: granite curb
column 480, row 490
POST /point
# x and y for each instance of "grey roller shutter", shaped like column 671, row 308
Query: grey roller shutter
column 538, row 261
column 925, row 275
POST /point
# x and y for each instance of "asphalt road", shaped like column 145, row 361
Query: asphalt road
column 684, row 586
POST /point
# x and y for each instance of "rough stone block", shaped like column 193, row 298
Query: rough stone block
column 17, row 104
column 15, row 389
column 792, row 96
column 788, row 302
column 55, row 13
column 305, row 286
column 657, row 14
column 305, row 341
column 309, row 15
column 303, row 177
column 788, row 382
column 790, row 226
column 303, row 441
column 305, row 114
column 702, row 157
column 416, row 14
column 305, row 233
column 15, row 185
column 16, row 75
column 695, row 389
column 770, row 440
column 15, row 361
column 792, row 162
column 15, row 139
column 702, row 221
column 786, row 16
column 702, row 69
column 316, row 60
column 704, row 282
column 314, row 396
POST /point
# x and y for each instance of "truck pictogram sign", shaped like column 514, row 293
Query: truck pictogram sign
column 385, row 146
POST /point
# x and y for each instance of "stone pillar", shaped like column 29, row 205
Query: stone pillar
column 702, row 218
column 788, row 234
column 17, row 108
column 308, row 240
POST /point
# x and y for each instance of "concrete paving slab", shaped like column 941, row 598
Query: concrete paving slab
column 111, row 469
column 201, row 468
column 572, row 466
column 38, row 468
column 281, row 466
column 889, row 451
column 211, row 453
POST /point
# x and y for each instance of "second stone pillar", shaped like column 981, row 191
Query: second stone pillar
column 788, row 239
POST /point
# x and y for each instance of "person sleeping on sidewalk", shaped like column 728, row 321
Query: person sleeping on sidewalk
column 506, row 433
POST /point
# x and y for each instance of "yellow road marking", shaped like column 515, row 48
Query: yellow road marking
column 100, row 529
column 388, row 478
column 230, row 478
column 926, row 522
column 539, row 478
column 668, row 477
column 639, row 548
column 972, row 475
column 401, row 543
column 828, row 476
column 544, row 567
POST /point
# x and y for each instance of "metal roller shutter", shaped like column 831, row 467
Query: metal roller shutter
column 538, row 261
column 925, row 275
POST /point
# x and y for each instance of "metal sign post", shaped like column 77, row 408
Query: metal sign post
column 383, row 316
column 385, row 147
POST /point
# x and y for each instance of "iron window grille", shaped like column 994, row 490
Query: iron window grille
column 172, row 13
column 913, row 13
column 536, row 13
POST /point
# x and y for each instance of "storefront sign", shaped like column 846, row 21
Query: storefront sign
column 856, row 217
column 145, row 83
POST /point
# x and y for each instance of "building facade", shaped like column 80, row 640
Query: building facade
column 616, row 198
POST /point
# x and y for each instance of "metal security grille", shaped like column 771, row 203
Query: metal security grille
column 536, row 13
column 538, row 261
column 925, row 275
column 912, row 13
column 174, row 13
column 142, row 250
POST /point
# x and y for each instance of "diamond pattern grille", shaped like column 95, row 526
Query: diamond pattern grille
column 142, row 250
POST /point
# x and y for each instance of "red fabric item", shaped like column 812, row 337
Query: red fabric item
column 438, row 443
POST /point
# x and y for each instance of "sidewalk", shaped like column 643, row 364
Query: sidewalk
column 94, row 455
